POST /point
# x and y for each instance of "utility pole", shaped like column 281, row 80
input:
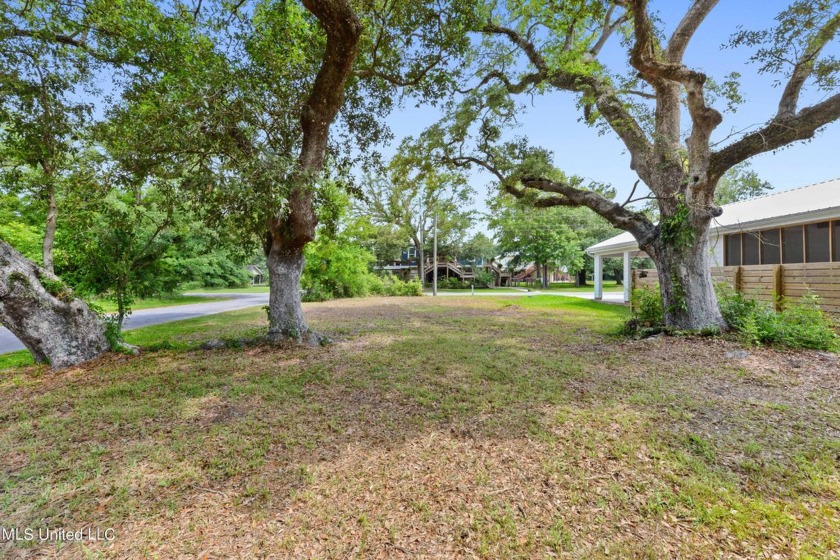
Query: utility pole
column 421, row 257
column 434, row 259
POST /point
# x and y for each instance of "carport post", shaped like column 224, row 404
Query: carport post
column 599, row 277
column 628, row 279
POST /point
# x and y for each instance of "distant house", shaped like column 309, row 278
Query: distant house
column 256, row 274
column 530, row 273
column 785, row 243
column 462, row 269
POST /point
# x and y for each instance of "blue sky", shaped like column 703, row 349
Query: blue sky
column 551, row 121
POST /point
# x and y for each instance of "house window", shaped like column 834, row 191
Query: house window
column 412, row 252
column 836, row 228
column 792, row 247
column 749, row 248
column 817, row 244
column 733, row 249
column 771, row 249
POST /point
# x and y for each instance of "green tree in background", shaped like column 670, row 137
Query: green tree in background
column 412, row 195
column 19, row 227
column 479, row 247
column 740, row 183
column 535, row 235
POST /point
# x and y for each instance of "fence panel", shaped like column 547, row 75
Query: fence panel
column 765, row 282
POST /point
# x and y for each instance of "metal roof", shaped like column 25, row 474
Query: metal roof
column 817, row 201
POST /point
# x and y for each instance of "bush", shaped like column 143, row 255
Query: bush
column 735, row 308
column 396, row 287
column 647, row 307
column 484, row 278
column 367, row 284
column 452, row 284
column 375, row 285
column 800, row 324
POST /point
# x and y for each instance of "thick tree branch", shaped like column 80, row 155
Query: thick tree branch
column 524, row 44
column 293, row 231
column 515, row 88
column 805, row 66
column 68, row 40
column 398, row 80
column 608, row 29
column 647, row 57
column 687, row 28
column 565, row 194
column 664, row 71
column 606, row 99
column 775, row 134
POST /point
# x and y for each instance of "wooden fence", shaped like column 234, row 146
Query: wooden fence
column 766, row 282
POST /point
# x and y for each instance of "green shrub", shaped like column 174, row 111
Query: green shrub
column 368, row 284
column 453, row 284
column 375, row 285
column 647, row 306
column 800, row 324
column 484, row 278
column 735, row 308
column 397, row 287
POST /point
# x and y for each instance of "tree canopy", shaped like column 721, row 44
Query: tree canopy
column 536, row 48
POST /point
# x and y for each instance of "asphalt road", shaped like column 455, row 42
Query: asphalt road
column 146, row 317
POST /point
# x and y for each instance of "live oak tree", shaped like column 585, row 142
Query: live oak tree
column 50, row 51
column 534, row 48
column 270, row 101
column 47, row 48
column 40, row 121
column 376, row 47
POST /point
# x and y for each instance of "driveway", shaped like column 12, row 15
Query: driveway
column 609, row 297
column 146, row 317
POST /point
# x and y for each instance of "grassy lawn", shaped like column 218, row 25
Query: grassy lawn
column 151, row 303
column 448, row 428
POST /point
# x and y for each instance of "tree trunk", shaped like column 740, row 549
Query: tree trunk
column 685, row 283
column 284, row 305
column 580, row 278
column 49, row 232
column 289, row 234
column 43, row 314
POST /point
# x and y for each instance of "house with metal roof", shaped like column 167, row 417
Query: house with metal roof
column 798, row 227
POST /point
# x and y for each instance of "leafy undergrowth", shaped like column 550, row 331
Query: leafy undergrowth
column 459, row 427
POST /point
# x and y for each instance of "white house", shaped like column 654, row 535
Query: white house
column 800, row 225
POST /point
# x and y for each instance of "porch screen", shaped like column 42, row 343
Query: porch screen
column 818, row 248
column 733, row 249
column 749, row 248
column 771, row 249
column 792, row 249
column 836, row 227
